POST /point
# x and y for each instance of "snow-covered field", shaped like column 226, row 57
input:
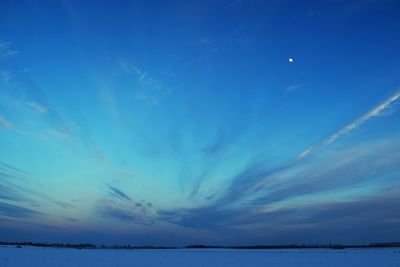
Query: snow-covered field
column 30, row 257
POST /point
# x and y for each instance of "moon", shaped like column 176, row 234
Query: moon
column 290, row 60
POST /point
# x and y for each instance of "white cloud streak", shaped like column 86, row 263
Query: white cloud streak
column 5, row 123
column 61, row 134
column 6, row 51
column 294, row 87
column 377, row 111
column 37, row 107
column 6, row 76
column 8, row 125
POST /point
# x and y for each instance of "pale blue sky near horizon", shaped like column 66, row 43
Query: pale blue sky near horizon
column 176, row 122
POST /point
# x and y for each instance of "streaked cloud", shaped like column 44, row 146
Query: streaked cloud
column 10, row 210
column 108, row 97
column 377, row 111
column 118, row 193
column 148, row 88
column 123, row 174
column 338, row 170
column 61, row 133
column 294, row 87
column 5, row 123
column 37, row 107
column 100, row 155
column 283, row 182
column 6, row 76
column 127, row 214
column 6, row 50
column 128, row 211
column 64, row 205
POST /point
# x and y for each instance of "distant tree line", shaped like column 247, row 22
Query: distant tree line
column 296, row 246
column 80, row 246
column 43, row 244
column 292, row 246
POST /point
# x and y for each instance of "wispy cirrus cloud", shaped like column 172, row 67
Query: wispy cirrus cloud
column 6, row 50
column 6, row 76
column 5, row 123
column 254, row 177
column 294, row 87
column 61, row 134
column 10, row 194
column 37, row 107
column 10, row 210
column 357, row 166
column 129, row 211
column 20, row 197
column 377, row 214
column 34, row 97
column 118, row 193
column 64, row 205
column 149, row 89
column 12, row 169
column 15, row 199
column 123, row 174
column 267, row 216
column 126, row 214
column 377, row 111
column 107, row 95
column 352, row 167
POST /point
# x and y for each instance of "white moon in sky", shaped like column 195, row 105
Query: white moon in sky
column 290, row 60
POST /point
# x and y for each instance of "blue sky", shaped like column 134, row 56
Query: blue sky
column 178, row 122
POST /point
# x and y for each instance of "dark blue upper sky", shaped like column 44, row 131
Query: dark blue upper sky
column 224, row 122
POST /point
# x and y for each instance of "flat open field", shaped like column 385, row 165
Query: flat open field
column 31, row 256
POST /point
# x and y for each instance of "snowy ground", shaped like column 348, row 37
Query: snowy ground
column 29, row 256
